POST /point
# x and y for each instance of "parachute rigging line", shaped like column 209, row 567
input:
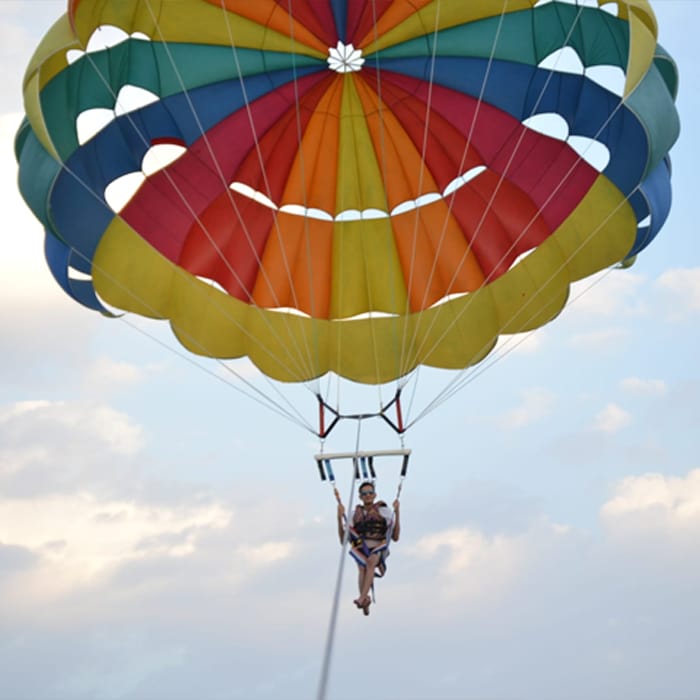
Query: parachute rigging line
column 501, row 179
column 272, row 404
column 460, row 380
column 282, row 361
column 304, row 357
column 263, row 169
column 406, row 359
column 469, row 375
column 263, row 399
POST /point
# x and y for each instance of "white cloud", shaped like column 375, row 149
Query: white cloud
column 56, row 447
column 612, row 419
column 26, row 420
column 678, row 498
column 681, row 290
column 645, row 387
column 79, row 536
column 464, row 548
column 536, row 404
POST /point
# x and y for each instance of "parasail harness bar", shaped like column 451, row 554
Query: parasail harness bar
column 323, row 429
column 363, row 462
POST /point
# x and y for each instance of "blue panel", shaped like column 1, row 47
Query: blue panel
column 57, row 256
column 79, row 213
column 340, row 13
column 119, row 148
column 656, row 190
column 522, row 90
column 78, row 210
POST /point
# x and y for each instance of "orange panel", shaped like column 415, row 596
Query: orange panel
column 395, row 151
column 313, row 175
column 442, row 262
column 296, row 266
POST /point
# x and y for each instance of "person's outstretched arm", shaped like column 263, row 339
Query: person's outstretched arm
column 341, row 522
column 397, row 522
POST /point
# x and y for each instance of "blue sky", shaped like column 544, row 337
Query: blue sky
column 162, row 536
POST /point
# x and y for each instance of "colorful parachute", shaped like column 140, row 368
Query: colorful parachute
column 355, row 186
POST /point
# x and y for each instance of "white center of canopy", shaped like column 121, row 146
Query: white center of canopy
column 345, row 58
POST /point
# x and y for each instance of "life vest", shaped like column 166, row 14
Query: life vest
column 370, row 523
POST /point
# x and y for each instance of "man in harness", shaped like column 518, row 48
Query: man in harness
column 372, row 526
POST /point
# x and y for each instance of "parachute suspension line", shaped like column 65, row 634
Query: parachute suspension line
column 421, row 174
column 282, row 361
column 409, row 409
column 332, row 624
column 205, row 139
column 407, row 362
column 307, row 355
column 302, row 165
column 492, row 198
column 460, row 380
column 293, row 415
column 585, row 241
column 420, row 350
column 262, row 398
column 467, row 377
column 181, row 331
column 465, row 151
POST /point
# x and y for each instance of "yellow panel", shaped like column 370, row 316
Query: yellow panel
column 366, row 270
column 643, row 34
column 360, row 181
column 131, row 275
column 191, row 21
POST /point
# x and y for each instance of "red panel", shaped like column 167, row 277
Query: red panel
column 362, row 17
column 500, row 221
column 228, row 244
column 168, row 204
column 445, row 143
column 537, row 165
column 279, row 146
column 316, row 16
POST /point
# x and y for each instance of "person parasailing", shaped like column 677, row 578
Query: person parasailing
column 372, row 527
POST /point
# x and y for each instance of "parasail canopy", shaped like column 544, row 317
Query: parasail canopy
column 357, row 187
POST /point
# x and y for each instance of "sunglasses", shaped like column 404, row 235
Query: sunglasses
column 366, row 493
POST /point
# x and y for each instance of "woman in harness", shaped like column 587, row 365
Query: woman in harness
column 371, row 528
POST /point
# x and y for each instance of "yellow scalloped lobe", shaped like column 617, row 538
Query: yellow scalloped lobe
column 131, row 275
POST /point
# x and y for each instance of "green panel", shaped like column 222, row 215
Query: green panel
column 94, row 80
column 529, row 36
column 37, row 172
column 668, row 69
column 652, row 104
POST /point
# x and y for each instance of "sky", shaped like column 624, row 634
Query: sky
column 164, row 536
